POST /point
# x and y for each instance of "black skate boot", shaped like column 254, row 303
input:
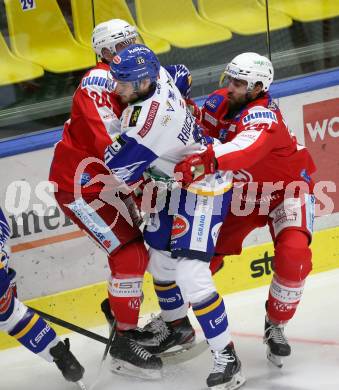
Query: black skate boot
column 138, row 334
column 67, row 363
column 226, row 372
column 130, row 358
column 166, row 335
column 277, row 343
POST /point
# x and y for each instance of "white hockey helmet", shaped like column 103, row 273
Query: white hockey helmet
column 251, row 67
column 109, row 34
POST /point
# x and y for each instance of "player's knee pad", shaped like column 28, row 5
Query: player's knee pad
column 161, row 265
column 194, row 279
column 291, row 263
column 129, row 260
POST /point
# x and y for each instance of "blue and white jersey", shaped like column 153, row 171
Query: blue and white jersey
column 155, row 133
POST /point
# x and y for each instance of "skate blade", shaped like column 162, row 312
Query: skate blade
column 237, row 381
column 121, row 367
column 274, row 359
column 191, row 351
column 81, row 385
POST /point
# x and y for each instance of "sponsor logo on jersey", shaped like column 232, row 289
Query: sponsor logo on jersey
column 213, row 102
column 134, row 116
column 85, row 178
column 171, row 95
column 5, row 301
column 169, row 106
column 150, row 119
column 165, row 120
column 254, row 116
column 99, row 81
column 180, row 227
column 185, row 132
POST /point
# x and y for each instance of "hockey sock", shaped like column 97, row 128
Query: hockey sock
column 170, row 301
column 212, row 317
column 125, row 299
column 35, row 334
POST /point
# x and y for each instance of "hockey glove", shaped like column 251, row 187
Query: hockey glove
column 196, row 166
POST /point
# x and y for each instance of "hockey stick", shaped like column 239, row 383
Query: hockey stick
column 108, row 345
column 70, row 326
column 268, row 31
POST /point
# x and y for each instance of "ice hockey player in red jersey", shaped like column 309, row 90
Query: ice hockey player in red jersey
column 96, row 206
column 272, row 185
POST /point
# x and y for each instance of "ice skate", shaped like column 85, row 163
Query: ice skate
column 277, row 343
column 130, row 358
column 169, row 338
column 69, row 366
column 226, row 374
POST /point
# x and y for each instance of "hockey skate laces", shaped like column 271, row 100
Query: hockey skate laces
column 220, row 360
column 139, row 350
column 276, row 333
column 156, row 325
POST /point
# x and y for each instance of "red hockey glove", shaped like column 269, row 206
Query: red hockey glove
column 196, row 166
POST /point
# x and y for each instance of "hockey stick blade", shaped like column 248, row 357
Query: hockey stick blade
column 184, row 355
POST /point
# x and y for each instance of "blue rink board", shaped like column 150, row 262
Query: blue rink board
column 47, row 138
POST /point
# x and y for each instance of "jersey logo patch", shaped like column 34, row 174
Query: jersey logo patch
column 135, row 115
column 150, row 119
column 169, row 106
column 213, row 102
column 124, row 173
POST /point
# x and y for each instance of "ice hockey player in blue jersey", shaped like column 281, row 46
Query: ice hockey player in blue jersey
column 25, row 325
column 157, row 130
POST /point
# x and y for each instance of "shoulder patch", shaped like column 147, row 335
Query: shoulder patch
column 150, row 119
column 213, row 102
column 134, row 116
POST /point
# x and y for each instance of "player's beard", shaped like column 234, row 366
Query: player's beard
column 235, row 105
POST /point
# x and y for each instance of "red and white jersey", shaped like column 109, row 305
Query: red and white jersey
column 93, row 124
column 256, row 142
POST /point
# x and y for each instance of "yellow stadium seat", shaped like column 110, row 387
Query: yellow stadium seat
column 41, row 35
column 82, row 15
column 306, row 10
column 243, row 17
column 179, row 23
column 105, row 10
column 14, row 69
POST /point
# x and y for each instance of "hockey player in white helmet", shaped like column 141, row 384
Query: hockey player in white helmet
column 261, row 150
column 157, row 132
column 109, row 37
column 94, row 121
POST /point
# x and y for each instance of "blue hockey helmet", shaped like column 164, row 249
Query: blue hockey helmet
column 135, row 63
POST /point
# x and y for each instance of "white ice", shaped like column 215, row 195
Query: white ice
column 313, row 365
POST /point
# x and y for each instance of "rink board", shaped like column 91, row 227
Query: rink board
column 250, row 270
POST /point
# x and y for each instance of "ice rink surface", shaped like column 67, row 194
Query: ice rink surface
column 313, row 365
